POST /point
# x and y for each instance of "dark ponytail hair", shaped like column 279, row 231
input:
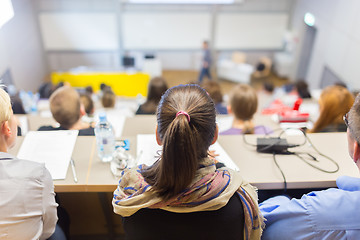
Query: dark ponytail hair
column 185, row 142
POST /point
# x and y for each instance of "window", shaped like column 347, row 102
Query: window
column 6, row 11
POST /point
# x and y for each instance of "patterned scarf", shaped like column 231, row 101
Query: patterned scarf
column 210, row 190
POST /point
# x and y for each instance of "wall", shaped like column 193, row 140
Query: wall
column 337, row 43
column 21, row 49
column 185, row 59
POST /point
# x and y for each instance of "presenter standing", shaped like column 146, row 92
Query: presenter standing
column 206, row 62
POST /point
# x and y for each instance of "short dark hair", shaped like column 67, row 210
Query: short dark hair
column 89, row 90
column 185, row 142
column 302, row 89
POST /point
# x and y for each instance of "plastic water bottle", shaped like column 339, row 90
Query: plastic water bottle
column 34, row 101
column 105, row 138
column 26, row 101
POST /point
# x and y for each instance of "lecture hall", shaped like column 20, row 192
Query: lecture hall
column 174, row 119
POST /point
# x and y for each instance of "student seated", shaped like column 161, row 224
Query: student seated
column 108, row 98
column 334, row 102
column 214, row 90
column 328, row 214
column 243, row 105
column 182, row 195
column 67, row 110
column 157, row 87
column 27, row 198
column 88, row 104
column 89, row 107
column 302, row 89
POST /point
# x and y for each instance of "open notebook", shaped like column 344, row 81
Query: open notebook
column 147, row 149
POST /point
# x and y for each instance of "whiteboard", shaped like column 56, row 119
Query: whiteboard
column 250, row 31
column 79, row 31
column 165, row 30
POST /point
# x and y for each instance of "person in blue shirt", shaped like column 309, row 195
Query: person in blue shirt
column 330, row 214
column 206, row 62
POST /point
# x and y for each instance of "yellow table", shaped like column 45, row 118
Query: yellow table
column 123, row 84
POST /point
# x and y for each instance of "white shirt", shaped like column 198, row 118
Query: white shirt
column 27, row 200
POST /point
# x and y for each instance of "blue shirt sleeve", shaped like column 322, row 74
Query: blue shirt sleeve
column 329, row 214
column 348, row 183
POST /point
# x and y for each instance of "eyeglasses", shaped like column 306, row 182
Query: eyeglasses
column 346, row 120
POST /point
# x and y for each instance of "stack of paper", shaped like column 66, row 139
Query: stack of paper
column 147, row 149
column 54, row 148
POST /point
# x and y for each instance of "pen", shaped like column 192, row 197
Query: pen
column 73, row 169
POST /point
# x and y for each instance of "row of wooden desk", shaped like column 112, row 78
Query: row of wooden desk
column 88, row 201
column 257, row 168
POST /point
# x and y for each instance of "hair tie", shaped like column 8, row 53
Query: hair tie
column 183, row 113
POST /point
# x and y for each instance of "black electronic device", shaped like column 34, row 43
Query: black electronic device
column 271, row 145
column 149, row 56
column 128, row 62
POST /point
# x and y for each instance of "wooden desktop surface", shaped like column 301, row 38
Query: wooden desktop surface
column 83, row 154
column 260, row 169
column 257, row 168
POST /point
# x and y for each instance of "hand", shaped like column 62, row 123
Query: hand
column 212, row 155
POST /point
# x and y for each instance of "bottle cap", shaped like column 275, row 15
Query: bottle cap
column 102, row 116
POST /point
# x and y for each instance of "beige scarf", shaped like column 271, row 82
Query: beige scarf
column 210, row 190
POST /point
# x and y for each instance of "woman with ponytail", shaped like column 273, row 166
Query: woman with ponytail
column 243, row 105
column 183, row 195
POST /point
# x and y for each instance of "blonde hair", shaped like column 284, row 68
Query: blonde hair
column 65, row 106
column 335, row 102
column 243, row 103
column 5, row 106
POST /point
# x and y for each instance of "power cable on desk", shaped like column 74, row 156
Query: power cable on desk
column 282, row 173
column 298, row 154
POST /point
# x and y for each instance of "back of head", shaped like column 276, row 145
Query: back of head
column 214, row 90
column 157, row 87
column 185, row 136
column 302, row 89
column 65, row 106
column 102, row 86
column 108, row 99
column 335, row 102
column 88, row 103
column 243, row 102
column 89, row 90
column 5, row 106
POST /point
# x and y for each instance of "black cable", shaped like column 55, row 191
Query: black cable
column 247, row 143
column 316, row 167
column 282, row 173
column 295, row 145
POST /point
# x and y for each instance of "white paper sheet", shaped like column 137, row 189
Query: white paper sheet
column 23, row 121
column 147, row 148
column 224, row 122
column 116, row 118
column 54, row 148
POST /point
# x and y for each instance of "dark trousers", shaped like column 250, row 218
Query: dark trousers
column 204, row 72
